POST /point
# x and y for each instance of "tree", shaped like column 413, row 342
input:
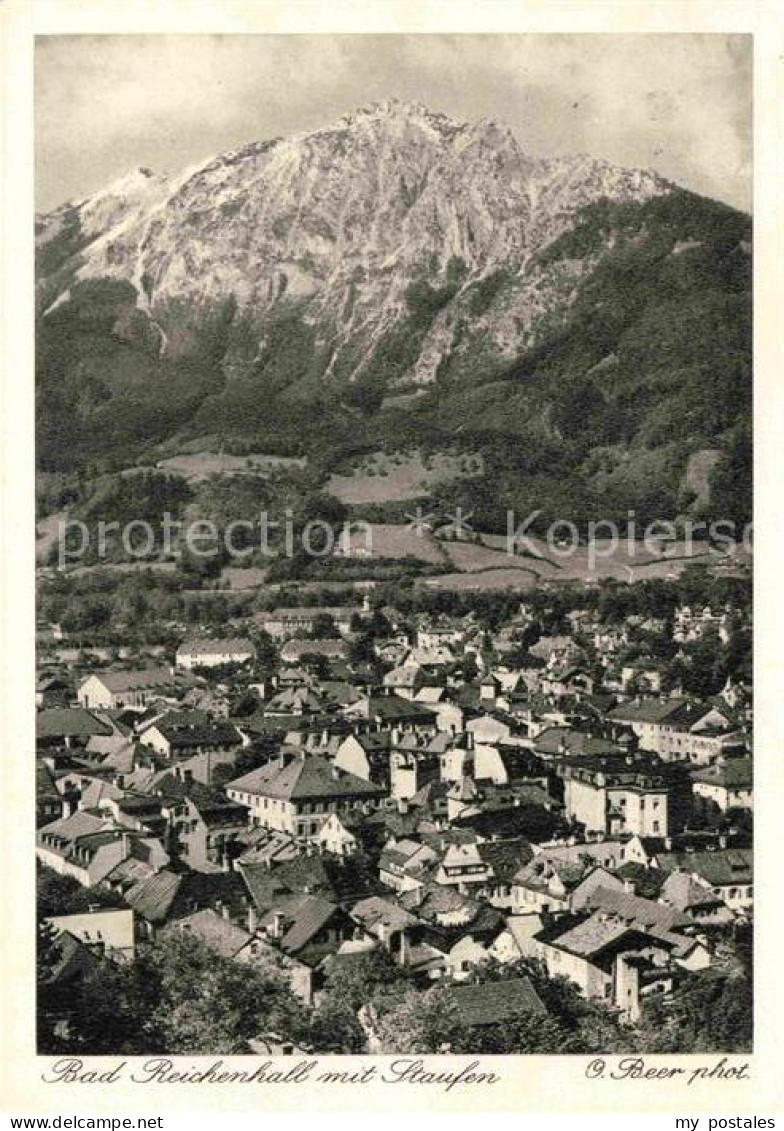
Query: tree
column 575, row 1023
column 316, row 663
column 177, row 996
column 204, row 1004
column 361, row 650
column 246, row 703
column 63, row 895
column 47, row 956
column 355, row 979
column 712, row 1011
column 266, row 652
column 529, row 1033
column 335, row 1027
column 419, row 1023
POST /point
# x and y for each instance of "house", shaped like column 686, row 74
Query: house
column 164, row 896
column 449, row 716
column 218, row 932
column 679, row 729
column 48, row 803
column 642, row 677
column 82, row 846
column 502, row 765
column 113, row 689
column 54, row 690
column 293, row 651
column 307, row 927
column 136, row 812
column 504, row 858
column 71, row 963
column 463, row 867
column 694, row 898
column 336, row 836
column 69, row 726
column 620, row 795
column 493, row 728
column 564, row 680
column 545, row 884
column 202, row 653
column 569, row 741
column 296, row 793
column 385, row 920
column 456, row 758
column 435, row 635
column 404, row 863
column 496, row 1003
column 644, row 914
column 366, row 755
column 405, row 680
column 296, row 701
column 172, row 739
column 607, row 958
column 205, row 828
column 412, row 765
column 392, row 710
column 728, row 872
column 516, row 939
column 609, row 854
column 341, row 880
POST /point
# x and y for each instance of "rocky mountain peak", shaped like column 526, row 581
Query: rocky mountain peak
column 340, row 222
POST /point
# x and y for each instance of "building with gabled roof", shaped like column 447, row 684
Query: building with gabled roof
column 296, row 793
column 680, row 729
column 113, row 689
column 110, row 932
column 307, row 927
column 728, row 871
column 69, row 726
column 82, row 845
column 204, row 653
column 226, row 939
column 172, row 739
column 612, row 959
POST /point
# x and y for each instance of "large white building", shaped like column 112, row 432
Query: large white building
column 214, row 653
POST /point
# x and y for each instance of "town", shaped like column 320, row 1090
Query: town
column 411, row 822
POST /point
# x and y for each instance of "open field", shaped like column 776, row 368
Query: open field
column 122, row 567
column 626, row 561
column 397, row 476
column 488, row 564
column 391, row 541
column 472, row 557
column 243, row 577
column 487, row 579
column 199, row 465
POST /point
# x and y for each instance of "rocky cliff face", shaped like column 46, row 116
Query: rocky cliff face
column 338, row 226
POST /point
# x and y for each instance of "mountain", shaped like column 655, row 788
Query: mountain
column 298, row 289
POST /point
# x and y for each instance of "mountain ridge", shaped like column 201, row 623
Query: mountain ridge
column 290, row 288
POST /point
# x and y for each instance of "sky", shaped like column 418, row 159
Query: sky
column 679, row 104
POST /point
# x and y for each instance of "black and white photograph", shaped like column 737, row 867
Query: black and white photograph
column 393, row 546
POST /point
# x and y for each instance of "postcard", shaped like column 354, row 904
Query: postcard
column 388, row 400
